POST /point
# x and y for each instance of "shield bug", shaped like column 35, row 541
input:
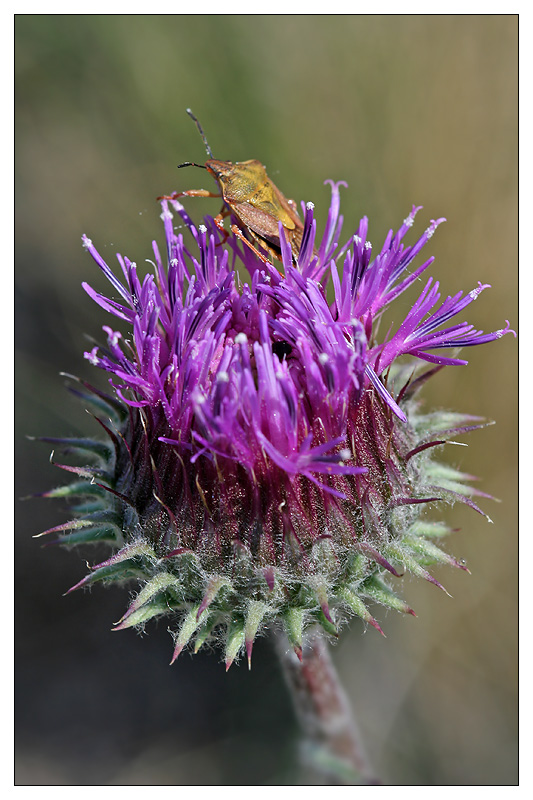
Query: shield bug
column 253, row 199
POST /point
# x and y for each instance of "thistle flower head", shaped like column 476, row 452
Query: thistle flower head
column 265, row 461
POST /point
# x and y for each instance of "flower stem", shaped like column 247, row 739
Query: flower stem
column 331, row 743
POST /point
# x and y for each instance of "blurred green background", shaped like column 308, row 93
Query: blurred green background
column 406, row 109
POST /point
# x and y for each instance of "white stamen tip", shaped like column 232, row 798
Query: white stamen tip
column 92, row 357
column 241, row 338
column 202, row 229
column 222, row 376
column 309, row 206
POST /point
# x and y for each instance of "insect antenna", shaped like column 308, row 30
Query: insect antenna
column 202, row 134
column 191, row 164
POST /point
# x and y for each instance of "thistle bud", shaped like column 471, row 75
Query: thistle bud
column 264, row 460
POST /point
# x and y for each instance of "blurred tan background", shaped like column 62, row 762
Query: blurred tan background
column 406, row 109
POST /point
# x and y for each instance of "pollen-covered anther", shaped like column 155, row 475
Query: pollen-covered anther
column 92, row 356
column 433, row 226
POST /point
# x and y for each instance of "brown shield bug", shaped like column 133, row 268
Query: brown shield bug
column 253, row 199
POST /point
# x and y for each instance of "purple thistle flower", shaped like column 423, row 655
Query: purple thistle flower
column 265, row 459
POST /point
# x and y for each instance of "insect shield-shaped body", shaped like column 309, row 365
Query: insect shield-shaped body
column 256, row 202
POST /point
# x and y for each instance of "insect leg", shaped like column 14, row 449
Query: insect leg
column 243, row 238
column 189, row 193
column 218, row 220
